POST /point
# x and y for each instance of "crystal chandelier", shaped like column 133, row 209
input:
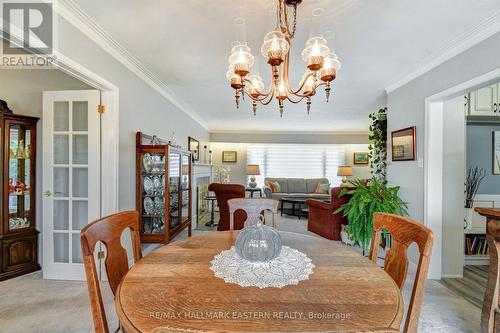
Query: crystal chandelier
column 322, row 65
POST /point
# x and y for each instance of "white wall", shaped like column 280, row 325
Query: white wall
column 290, row 137
column 453, row 187
column 142, row 108
column 22, row 90
column 406, row 107
column 237, row 174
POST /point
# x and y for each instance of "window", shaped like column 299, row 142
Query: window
column 297, row 160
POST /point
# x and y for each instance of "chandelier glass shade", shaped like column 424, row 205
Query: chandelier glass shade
column 322, row 65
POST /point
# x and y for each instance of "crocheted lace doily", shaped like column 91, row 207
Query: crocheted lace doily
column 290, row 267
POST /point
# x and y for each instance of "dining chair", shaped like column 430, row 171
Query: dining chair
column 108, row 230
column 404, row 232
column 253, row 209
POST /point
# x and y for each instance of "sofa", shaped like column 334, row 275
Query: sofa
column 297, row 187
column 322, row 217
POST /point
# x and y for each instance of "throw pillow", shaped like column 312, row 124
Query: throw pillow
column 277, row 187
column 271, row 186
column 322, row 188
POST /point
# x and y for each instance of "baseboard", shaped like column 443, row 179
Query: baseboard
column 452, row 276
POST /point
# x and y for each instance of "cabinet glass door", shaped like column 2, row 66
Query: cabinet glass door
column 19, row 176
column 174, row 188
column 185, row 186
column 153, row 187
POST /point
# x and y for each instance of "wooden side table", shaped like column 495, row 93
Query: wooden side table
column 490, row 315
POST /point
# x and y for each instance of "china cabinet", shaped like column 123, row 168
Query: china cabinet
column 18, row 236
column 163, row 189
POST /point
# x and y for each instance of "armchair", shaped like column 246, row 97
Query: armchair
column 225, row 192
column 322, row 219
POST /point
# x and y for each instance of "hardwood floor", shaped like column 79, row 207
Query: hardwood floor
column 472, row 286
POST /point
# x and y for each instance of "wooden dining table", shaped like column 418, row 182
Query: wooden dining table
column 172, row 289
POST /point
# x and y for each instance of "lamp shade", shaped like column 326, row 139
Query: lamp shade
column 344, row 170
column 253, row 169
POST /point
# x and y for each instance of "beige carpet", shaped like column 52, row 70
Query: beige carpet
column 29, row 304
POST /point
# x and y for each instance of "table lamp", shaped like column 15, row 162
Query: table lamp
column 344, row 171
column 253, row 170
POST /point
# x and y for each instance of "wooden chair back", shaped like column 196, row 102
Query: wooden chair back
column 404, row 232
column 253, row 209
column 108, row 230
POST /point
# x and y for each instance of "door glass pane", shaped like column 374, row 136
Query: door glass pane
column 80, row 114
column 61, row 116
column 61, row 247
column 61, row 214
column 19, row 176
column 61, row 149
column 61, row 182
column 76, row 249
column 80, row 182
column 80, row 149
column 80, row 214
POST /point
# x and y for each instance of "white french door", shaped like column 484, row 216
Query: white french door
column 71, row 178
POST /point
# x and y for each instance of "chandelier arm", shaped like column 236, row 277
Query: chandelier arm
column 257, row 99
column 260, row 94
column 287, row 80
column 270, row 99
column 297, row 101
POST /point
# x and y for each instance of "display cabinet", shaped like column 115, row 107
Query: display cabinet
column 163, row 191
column 18, row 234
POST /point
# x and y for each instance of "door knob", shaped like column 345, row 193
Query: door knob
column 47, row 193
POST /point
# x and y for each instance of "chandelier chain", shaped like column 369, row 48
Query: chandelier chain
column 283, row 18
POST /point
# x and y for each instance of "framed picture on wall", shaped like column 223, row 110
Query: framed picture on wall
column 229, row 157
column 496, row 152
column 360, row 158
column 194, row 148
column 404, row 144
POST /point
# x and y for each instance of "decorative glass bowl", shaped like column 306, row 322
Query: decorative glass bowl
column 258, row 243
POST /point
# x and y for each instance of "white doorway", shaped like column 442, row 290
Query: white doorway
column 434, row 162
column 71, row 178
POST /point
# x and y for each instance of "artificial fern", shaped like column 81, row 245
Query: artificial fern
column 366, row 200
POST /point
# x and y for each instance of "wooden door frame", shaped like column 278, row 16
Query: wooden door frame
column 433, row 166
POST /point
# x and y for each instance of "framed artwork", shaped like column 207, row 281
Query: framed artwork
column 360, row 158
column 229, row 157
column 404, row 144
column 496, row 152
column 194, row 148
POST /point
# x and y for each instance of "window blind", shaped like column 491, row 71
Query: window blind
column 297, row 160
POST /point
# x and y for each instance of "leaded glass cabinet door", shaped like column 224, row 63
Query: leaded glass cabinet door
column 71, row 181
column 20, row 178
column 185, row 187
column 174, row 177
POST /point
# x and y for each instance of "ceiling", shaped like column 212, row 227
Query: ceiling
column 186, row 43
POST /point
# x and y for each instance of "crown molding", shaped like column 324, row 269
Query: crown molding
column 454, row 47
column 89, row 27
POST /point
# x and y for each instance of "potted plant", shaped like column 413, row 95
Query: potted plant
column 474, row 178
column 367, row 199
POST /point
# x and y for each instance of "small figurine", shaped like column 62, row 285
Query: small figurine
column 21, row 153
column 12, row 187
